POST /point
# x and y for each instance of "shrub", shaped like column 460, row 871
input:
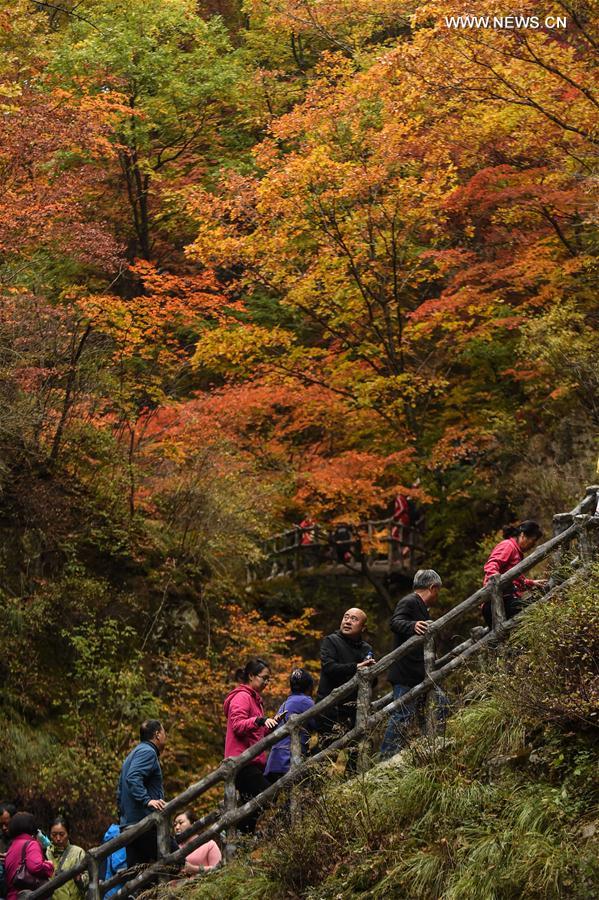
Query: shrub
column 555, row 677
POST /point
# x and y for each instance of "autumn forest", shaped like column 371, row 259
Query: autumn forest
column 263, row 259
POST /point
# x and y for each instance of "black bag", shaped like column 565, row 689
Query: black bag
column 24, row 880
column 413, row 512
column 342, row 534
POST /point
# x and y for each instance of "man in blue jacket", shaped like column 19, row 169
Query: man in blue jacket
column 140, row 790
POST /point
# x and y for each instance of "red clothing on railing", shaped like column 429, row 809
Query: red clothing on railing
column 401, row 510
column 36, row 864
column 307, row 525
column 504, row 556
column 242, row 707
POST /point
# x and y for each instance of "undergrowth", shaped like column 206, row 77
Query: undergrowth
column 506, row 807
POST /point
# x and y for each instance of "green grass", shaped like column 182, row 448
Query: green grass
column 505, row 809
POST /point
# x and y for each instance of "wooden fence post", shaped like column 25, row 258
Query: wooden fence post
column 584, row 542
column 390, row 547
column 230, row 805
column 296, row 761
column 297, row 544
column 497, row 604
column 430, row 700
column 362, row 714
column 93, row 888
column 163, row 842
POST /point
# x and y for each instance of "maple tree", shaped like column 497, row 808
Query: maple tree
column 175, row 74
column 409, row 239
column 252, row 268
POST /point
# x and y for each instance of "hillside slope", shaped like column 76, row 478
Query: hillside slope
column 505, row 807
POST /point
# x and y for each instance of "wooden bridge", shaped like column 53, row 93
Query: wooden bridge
column 577, row 529
column 377, row 548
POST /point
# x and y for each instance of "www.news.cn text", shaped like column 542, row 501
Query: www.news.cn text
column 509, row 22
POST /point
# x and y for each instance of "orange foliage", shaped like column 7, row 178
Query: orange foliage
column 196, row 687
column 147, row 323
column 51, row 146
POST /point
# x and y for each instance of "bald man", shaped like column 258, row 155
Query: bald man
column 341, row 655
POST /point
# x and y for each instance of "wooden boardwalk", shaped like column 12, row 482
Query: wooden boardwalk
column 378, row 548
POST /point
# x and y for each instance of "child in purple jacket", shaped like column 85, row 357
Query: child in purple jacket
column 300, row 699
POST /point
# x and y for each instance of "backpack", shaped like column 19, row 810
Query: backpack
column 116, row 862
column 413, row 511
column 342, row 534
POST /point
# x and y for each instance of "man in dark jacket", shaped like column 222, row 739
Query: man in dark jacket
column 341, row 655
column 140, row 790
column 411, row 617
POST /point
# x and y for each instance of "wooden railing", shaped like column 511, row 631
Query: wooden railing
column 578, row 524
column 381, row 545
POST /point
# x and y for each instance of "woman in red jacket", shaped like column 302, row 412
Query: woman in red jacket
column 518, row 539
column 24, row 847
column 246, row 725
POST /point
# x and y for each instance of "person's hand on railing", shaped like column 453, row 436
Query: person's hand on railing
column 366, row 663
column 422, row 626
column 539, row 583
column 156, row 804
column 189, row 869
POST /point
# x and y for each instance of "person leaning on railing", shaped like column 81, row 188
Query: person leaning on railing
column 309, row 548
column 301, row 684
column 342, row 654
column 411, row 617
column 114, row 863
column 518, row 539
column 246, row 725
column 140, row 790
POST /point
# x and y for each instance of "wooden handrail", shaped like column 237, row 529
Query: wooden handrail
column 437, row 670
column 318, row 530
column 379, row 547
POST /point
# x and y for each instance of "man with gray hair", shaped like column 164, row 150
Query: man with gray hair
column 411, row 617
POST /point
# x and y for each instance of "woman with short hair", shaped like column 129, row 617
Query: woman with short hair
column 24, row 848
column 300, row 699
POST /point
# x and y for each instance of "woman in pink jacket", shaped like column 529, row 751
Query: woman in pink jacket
column 246, row 725
column 518, row 539
column 24, row 845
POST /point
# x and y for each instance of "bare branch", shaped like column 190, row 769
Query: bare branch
column 68, row 12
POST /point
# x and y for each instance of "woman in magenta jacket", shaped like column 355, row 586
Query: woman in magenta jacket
column 518, row 539
column 22, row 831
column 246, row 725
